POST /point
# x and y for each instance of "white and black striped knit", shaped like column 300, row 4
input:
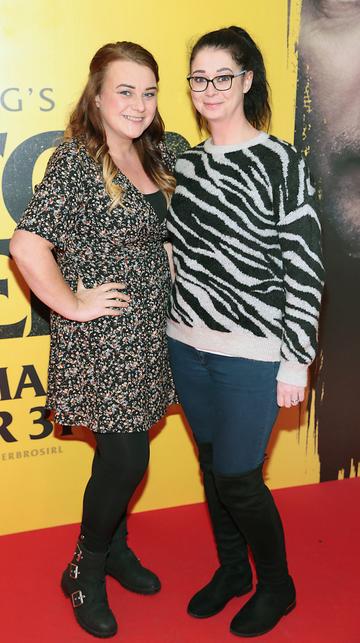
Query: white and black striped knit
column 247, row 252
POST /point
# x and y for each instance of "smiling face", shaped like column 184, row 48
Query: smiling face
column 329, row 56
column 212, row 104
column 127, row 101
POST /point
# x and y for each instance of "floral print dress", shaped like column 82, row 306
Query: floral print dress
column 111, row 374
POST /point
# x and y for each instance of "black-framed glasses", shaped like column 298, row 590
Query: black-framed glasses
column 220, row 83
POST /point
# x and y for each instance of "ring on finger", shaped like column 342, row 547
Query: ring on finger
column 294, row 402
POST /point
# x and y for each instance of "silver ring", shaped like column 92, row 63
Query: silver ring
column 294, row 401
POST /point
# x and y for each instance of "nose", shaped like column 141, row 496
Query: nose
column 139, row 103
column 210, row 90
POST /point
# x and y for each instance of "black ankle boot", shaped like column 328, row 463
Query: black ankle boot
column 84, row 582
column 252, row 507
column 125, row 567
column 234, row 576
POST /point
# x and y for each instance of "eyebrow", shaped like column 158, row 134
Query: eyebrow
column 132, row 86
column 202, row 71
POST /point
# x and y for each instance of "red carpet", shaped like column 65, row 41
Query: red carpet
column 323, row 535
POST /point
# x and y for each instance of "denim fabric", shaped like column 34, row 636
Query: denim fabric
column 229, row 402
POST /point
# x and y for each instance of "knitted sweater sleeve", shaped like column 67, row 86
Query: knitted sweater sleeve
column 303, row 273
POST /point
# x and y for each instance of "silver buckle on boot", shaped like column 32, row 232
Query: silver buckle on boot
column 77, row 598
column 78, row 553
column 74, row 571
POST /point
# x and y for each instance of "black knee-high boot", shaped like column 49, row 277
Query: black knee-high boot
column 252, row 507
column 234, row 576
column 84, row 582
column 123, row 565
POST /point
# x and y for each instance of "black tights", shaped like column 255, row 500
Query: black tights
column 119, row 464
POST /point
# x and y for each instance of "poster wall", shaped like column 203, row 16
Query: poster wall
column 45, row 53
column 328, row 131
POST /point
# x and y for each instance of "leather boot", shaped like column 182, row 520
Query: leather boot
column 252, row 507
column 123, row 565
column 234, row 576
column 84, row 582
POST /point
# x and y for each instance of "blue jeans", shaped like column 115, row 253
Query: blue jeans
column 229, row 402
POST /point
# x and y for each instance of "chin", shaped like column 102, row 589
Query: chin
column 136, row 131
column 214, row 119
column 212, row 114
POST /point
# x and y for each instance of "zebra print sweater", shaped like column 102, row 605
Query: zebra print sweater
column 247, row 254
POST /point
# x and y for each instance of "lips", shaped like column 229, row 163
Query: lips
column 134, row 119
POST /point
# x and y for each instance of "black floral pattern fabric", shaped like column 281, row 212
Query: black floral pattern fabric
column 111, row 374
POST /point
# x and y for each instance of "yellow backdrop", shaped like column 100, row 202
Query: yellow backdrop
column 45, row 52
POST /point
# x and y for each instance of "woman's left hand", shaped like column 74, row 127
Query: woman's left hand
column 289, row 395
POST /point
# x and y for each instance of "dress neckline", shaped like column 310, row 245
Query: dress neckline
column 150, row 193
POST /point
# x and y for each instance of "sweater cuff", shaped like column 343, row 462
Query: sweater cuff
column 292, row 373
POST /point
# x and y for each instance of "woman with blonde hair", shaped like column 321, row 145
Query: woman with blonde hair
column 92, row 246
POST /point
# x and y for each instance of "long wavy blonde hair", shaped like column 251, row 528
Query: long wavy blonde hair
column 85, row 122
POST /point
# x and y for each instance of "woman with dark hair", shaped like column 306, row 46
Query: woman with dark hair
column 91, row 246
column 243, row 314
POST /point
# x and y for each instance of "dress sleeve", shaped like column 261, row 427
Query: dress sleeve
column 168, row 156
column 303, row 273
column 55, row 197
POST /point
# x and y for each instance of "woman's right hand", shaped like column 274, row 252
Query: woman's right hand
column 106, row 299
column 46, row 281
